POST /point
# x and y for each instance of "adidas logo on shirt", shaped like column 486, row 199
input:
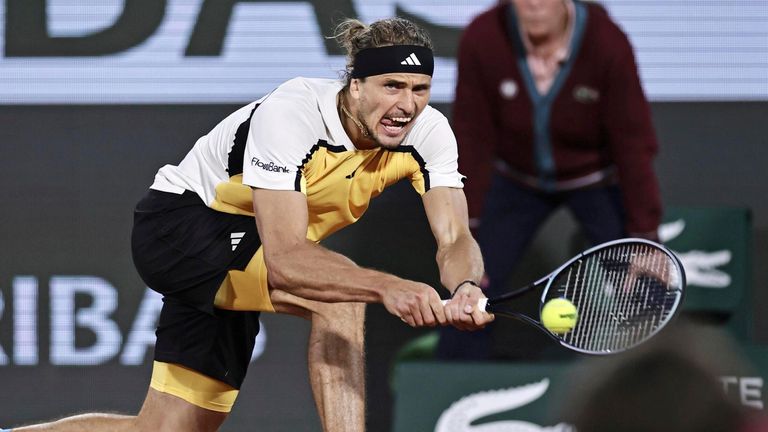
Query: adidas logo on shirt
column 235, row 239
column 411, row 60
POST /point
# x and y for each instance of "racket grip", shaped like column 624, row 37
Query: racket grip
column 481, row 304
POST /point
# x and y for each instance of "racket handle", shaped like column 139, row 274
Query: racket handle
column 481, row 304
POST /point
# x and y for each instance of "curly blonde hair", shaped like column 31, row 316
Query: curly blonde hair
column 354, row 36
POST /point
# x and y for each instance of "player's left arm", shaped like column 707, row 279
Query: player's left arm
column 458, row 256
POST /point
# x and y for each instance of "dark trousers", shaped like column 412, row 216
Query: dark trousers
column 512, row 215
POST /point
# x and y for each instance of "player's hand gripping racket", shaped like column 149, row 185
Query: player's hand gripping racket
column 624, row 292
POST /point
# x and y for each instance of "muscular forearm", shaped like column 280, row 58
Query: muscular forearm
column 310, row 271
column 459, row 261
column 316, row 273
column 300, row 267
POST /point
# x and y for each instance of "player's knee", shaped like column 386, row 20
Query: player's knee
column 353, row 311
column 340, row 318
column 167, row 410
column 345, row 314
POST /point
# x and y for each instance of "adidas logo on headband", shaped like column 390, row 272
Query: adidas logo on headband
column 393, row 59
column 411, row 60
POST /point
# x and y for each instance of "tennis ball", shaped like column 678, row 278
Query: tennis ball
column 559, row 316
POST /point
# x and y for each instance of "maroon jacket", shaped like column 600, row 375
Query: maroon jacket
column 597, row 116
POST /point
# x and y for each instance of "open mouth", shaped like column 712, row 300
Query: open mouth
column 393, row 126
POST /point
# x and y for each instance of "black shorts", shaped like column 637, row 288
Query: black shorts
column 183, row 250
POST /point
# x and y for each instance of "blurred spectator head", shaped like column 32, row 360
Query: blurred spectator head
column 541, row 18
column 671, row 383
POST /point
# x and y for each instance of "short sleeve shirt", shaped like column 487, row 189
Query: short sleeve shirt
column 293, row 139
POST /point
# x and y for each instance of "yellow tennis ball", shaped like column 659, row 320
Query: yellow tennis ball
column 559, row 316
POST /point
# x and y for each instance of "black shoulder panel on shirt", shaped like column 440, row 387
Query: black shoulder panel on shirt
column 235, row 162
column 308, row 156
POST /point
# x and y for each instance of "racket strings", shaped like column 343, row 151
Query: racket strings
column 589, row 338
column 624, row 295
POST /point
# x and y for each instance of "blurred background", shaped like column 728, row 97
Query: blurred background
column 95, row 96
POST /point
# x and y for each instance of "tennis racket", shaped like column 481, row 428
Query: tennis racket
column 625, row 291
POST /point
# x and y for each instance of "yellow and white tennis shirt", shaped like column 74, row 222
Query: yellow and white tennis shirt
column 293, row 139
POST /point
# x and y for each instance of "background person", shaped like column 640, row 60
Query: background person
column 234, row 229
column 549, row 112
column 671, row 383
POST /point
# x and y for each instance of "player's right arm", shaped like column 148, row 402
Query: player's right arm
column 305, row 269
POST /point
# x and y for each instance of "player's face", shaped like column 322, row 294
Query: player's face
column 540, row 18
column 388, row 104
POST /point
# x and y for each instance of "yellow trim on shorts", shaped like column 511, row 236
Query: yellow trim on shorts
column 193, row 387
column 246, row 290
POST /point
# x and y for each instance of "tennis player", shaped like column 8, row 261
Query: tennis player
column 233, row 230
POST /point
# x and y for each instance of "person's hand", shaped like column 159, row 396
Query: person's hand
column 462, row 311
column 654, row 265
column 416, row 304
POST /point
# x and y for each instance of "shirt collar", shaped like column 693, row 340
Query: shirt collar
column 330, row 112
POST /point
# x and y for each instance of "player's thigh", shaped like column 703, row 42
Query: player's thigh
column 345, row 312
column 183, row 249
column 164, row 412
column 287, row 303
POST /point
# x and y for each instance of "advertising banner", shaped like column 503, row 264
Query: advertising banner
column 206, row 51
column 520, row 396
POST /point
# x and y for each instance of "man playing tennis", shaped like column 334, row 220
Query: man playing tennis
column 304, row 161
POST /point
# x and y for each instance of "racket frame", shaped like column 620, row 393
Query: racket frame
column 547, row 280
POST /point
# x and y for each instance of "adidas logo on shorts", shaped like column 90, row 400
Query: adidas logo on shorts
column 235, row 239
